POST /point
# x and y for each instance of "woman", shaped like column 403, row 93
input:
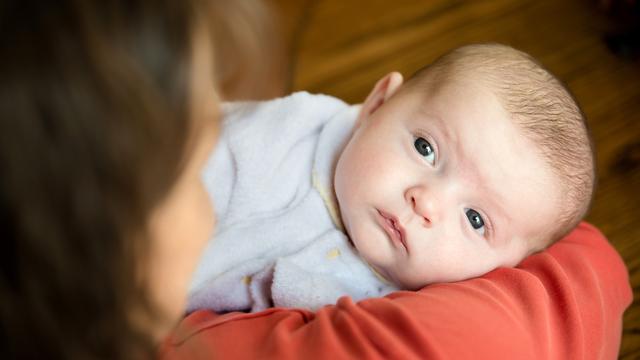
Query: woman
column 107, row 115
column 107, row 111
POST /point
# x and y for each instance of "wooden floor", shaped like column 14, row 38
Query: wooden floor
column 341, row 47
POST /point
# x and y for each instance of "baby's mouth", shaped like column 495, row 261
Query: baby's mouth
column 393, row 228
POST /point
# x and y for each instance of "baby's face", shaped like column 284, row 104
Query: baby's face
column 441, row 188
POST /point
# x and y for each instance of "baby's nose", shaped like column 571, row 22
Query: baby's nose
column 424, row 203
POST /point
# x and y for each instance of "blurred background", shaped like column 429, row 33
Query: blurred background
column 342, row 47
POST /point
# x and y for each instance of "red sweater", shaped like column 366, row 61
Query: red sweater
column 564, row 303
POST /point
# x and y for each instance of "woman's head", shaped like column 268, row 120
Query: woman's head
column 107, row 110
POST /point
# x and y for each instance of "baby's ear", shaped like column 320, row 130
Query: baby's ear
column 380, row 93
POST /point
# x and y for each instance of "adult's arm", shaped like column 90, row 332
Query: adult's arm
column 564, row 303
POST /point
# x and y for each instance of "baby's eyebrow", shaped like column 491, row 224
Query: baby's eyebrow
column 491, row 199
column 439, row 122
column 497, row 219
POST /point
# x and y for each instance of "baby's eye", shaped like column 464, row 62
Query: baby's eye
column 476, row 221
column 425, row 150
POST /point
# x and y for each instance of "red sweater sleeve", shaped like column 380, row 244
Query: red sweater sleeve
column 564, row 303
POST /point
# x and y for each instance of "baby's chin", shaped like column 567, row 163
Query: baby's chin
column 409, row 281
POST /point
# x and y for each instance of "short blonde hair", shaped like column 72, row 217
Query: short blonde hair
column 541, row 106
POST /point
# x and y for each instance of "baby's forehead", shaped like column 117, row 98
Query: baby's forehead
column 467, row 103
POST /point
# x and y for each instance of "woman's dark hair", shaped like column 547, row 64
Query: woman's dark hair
column 94, row 122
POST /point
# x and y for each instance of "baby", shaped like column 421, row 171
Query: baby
column 480, row 159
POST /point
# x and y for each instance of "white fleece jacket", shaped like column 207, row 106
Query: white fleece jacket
column 279, row 239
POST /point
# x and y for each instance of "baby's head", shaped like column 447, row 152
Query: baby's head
column 479, row 160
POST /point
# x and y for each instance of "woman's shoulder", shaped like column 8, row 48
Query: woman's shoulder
column 570, row 297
